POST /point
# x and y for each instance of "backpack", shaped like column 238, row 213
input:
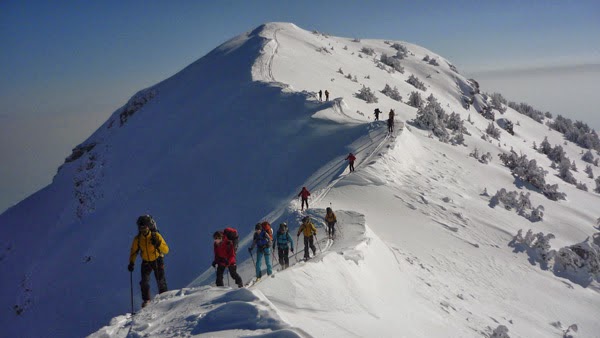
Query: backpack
column 151, row 226
column 267, row 227
column 265, row 239
column 233, row 236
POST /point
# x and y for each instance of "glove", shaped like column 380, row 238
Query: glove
column 130, row 267
column 292, row 249
column 214, row 264
column 155, row 241
column 249, row 249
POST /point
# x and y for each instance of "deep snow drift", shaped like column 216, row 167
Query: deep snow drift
column 231, row 139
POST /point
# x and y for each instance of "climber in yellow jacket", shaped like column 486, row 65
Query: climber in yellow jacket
column 152, row 248
column 309, row 231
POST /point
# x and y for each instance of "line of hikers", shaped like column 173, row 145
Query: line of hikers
column 390, row 120
column 152, row 247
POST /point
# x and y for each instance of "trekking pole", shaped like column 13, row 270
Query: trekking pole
column 297, row 247
column 131, row 289
column 319, row 245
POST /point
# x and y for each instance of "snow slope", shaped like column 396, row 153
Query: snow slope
column 230, row 140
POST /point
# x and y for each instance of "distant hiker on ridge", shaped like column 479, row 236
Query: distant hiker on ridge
column 391, row 121
column 309, row 230
column 304, row 193
column 377, row 112
column 152, row 247
column 225, row 259
column 285, row 244
column 351, row 158
column 331, row 220
column 326, row 95
column 320, row 95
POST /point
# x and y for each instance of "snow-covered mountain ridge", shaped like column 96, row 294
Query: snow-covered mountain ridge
column 232, row 138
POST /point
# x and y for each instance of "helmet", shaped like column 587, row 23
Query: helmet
column 217, row 235
column 305, row 219
column 258, row 226
column 283, row 226
column 328, row 209
column 144, row 220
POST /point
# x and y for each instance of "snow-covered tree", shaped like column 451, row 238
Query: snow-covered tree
column 538, row 244
column 493, row 131
column 484, row 158
column 393, row 62
column 431, row 117
column 433, row 62
column 368, row 51
column 530, row 172
column 415, row 100
column 413, row 80
column 588, row 170
column 426, row 58
column 401, row 50
column 597, row 181
column 455, row 123
column 580, row 259
column 557, row 154
column 537, row 214
column 564, row 171
column 588, row 157
column 500, row 332
column 498, row 102
column 552, row 193
column 366, row 94
column 488, row 113
column 527, row 110
column 545, row 146
column 582, row 186
column 458, row 139
column 392, row 93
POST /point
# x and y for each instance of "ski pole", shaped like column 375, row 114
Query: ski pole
column 131, row 289
column 316, row 239
column 297, row 246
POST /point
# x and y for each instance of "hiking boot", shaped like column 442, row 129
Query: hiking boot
column 145, row 303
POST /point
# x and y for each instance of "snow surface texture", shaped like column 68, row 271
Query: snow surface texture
column 230, row 140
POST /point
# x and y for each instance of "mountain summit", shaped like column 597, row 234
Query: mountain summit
column 427, row 242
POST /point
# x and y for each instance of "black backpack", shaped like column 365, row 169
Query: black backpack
column 148, row 220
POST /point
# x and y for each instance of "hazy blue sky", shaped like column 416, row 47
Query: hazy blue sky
column 78, row 61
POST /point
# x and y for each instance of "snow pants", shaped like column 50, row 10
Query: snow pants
column 284, row 257
column 232, row 271
column 308, row 242
column 304, row 200
column 266, row 252
column 158, row 266
column 331, row 229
